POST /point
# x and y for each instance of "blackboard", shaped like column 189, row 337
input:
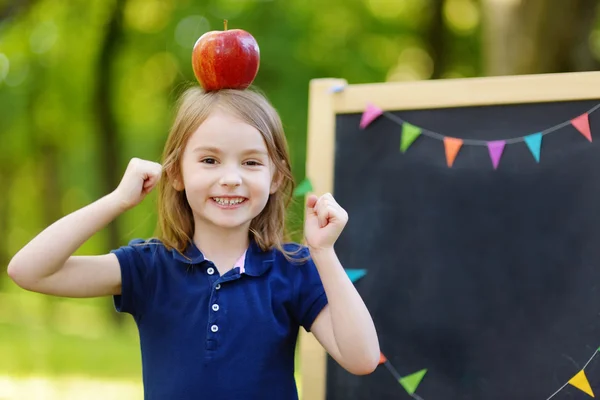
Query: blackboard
column 487, row 278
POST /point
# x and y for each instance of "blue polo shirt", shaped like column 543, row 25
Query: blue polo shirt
column 207, row 336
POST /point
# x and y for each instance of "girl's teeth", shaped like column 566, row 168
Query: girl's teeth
column 227, row 201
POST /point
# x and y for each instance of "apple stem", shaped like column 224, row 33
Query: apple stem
column 225, row 23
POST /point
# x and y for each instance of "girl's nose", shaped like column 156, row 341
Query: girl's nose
column 231, row 178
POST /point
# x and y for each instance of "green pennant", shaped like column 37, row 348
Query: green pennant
column 304, row 187
column 409, row 134
column 412, row 381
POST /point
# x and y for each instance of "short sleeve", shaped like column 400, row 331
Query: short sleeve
column 310, row 297
column 134, row 273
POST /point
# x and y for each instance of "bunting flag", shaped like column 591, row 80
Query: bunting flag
column 582, row 124
column 534, row 142
column 580, row 382
column 409, row 134
column 382, row 358
column 303, row 188
column 411, row 382
column 452, row 145
column 355, row 274
column 495, row 149
column 371, row 113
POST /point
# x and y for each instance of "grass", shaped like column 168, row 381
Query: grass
column 27, row 351
column 66, row 349
column 68, row 388
column 53, row 348
column 65, row 337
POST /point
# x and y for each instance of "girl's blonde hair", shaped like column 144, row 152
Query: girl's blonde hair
column 175, row 219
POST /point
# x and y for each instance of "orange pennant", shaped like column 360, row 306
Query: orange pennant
column 382, row 358
column 582, row 123
column 452, row 146
column 580, row 382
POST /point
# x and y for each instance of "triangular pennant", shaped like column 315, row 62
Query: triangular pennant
column 582, row 123
column 409, row 134
column 371, row 113
column 452, row 146
column 411, row 382
column 303, row 188
column 382, row 358
column 534, row 142
column 355, row 274
column 580, row 382
column 496, row 148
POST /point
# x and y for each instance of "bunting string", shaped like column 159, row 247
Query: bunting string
column 475, row 142
column 452, row 145
column 411, row 382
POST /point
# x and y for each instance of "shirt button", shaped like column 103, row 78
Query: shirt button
column 210, row 270
column 215, row 307
column 218, row 286
column 214, row 328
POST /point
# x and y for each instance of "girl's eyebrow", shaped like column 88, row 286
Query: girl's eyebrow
column 206, row 149
column 212, row 149
column 255, row 151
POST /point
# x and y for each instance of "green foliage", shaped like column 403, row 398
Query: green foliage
column 51, row 133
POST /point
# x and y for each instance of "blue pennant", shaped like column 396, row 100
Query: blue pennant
column 534, row 142
column 355, row 274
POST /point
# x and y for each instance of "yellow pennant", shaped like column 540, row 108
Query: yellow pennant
column 580, row 382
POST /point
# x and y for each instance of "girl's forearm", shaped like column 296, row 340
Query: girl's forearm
column 49, row 250
column 353, row 327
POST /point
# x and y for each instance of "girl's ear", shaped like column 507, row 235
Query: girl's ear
column 276, row 182
column 175, row 178
column 178, row 185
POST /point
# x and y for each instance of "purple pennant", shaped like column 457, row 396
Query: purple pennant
column 496, row 148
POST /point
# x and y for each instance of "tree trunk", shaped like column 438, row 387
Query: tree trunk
column 109, row 151
column 14, row 8
column 436, row 37
column 537, row 36
column 6, row 179
column 48, row 154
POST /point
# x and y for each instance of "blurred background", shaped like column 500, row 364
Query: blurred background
column 87, row 84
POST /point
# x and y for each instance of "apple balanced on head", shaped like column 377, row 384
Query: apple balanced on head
column 227, row 59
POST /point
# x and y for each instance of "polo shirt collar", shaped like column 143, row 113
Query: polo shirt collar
column 191, row 254
column 257, row 261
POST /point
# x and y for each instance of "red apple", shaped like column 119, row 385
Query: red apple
column 227, row 59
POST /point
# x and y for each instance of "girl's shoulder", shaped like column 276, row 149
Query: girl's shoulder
column 147, row 245
column 292, row 253
column 292, row 257
column 148, row 250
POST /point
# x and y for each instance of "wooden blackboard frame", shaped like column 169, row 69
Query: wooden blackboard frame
column 325, row 103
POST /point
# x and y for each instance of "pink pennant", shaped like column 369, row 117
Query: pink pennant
column 371, row 113
column 496, row 148
column 582, row 123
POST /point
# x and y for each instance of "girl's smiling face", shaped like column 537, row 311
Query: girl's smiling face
column 226, row 172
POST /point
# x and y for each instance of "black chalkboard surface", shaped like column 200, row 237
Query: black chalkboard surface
column 488, row 279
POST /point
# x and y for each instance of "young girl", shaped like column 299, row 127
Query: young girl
column 218, row 297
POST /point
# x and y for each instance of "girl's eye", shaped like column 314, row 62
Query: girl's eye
column 253, row 163
column 208, row 161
